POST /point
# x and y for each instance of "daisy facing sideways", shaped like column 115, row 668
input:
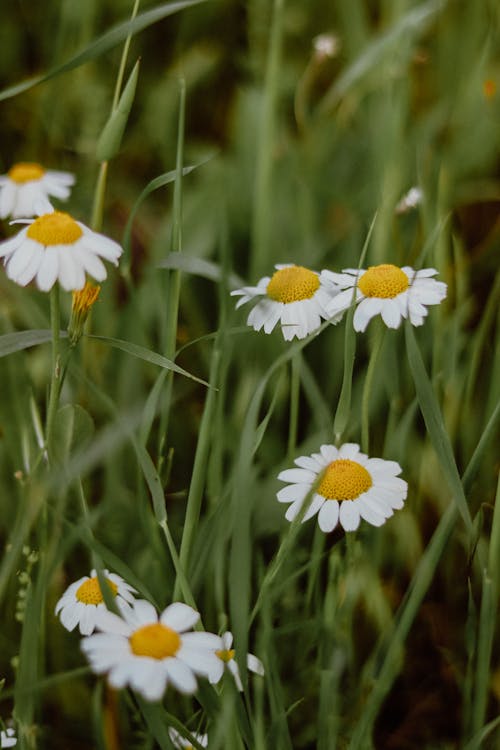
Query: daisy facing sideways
column 180, row 742
column 56, row 247
column 294, row 296
column 82, row 603
column 149, row 652
column 394, row 293
column 226, row 659
column 343, row 485
column 25, row 190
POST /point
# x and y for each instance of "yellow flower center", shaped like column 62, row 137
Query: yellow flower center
column 226, row 654
column 90, row 591
column 344, row 480
column 156, row 641
column 57, row 228
column 383, row 281
column 26, row 171
column 292, row 284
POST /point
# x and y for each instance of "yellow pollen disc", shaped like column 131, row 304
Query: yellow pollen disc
column 156, row 641
column 292, row 284
column 226, row 654
column 344, row 480
column 26, row 171
column 90, row 592
column 57, row 228
column 383, row 281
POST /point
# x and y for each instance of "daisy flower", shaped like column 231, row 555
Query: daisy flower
column 24, row 190
column 294, row 296
column 149, row 652
column 179, row 741
column 8, row 738
column 82, row 603
column 55, row 247
column 392, row 292
column 344, row 485
column 226, row 659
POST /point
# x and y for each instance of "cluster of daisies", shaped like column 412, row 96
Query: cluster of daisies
column 341, row 485
column 53, row 247
column 144, row 649
column 136, row 646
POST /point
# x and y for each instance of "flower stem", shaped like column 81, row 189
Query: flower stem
column 56, row 372
column 294, row 403
column 367, row 388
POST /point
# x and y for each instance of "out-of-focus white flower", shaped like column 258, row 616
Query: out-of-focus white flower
column 412, row 199
column 24, row 190
column 148, row 652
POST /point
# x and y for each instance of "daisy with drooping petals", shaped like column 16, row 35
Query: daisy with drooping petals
column 149, row 652
column 226, row 659
column 294, row 296
column 8, row 738
column 344, row 485
column 388, row 290
column 82, row 603
column 179, row 741
column 24, row 190
column 55, row 247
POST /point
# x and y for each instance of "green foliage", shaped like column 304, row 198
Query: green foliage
column 172, row 418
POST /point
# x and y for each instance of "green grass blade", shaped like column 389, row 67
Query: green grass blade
column 103, row 44
column 434, row 422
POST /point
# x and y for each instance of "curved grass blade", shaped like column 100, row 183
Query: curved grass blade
column 16, row 342
column 103, row 44
column 148, row 356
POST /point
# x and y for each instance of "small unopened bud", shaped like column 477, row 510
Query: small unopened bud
column 82, row 304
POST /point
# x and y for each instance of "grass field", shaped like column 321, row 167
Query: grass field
column 212, row 140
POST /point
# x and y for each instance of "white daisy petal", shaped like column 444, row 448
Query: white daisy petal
column 293, row 492
column 179, row 617
column 349, row 515
column 297, row 476
column 365, row 311
column 391, row 314
column 328, row 515
column 293, row 510
column 181, row 676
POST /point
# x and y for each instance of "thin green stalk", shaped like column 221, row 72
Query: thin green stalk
column 184, row 588
column 56, row 372
column 173, row 289
column 487, row 624
column 199, row 474
column 294, row 403
column 367, row 388
column 384, row 678
column 263, row 197
column 100, row 191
